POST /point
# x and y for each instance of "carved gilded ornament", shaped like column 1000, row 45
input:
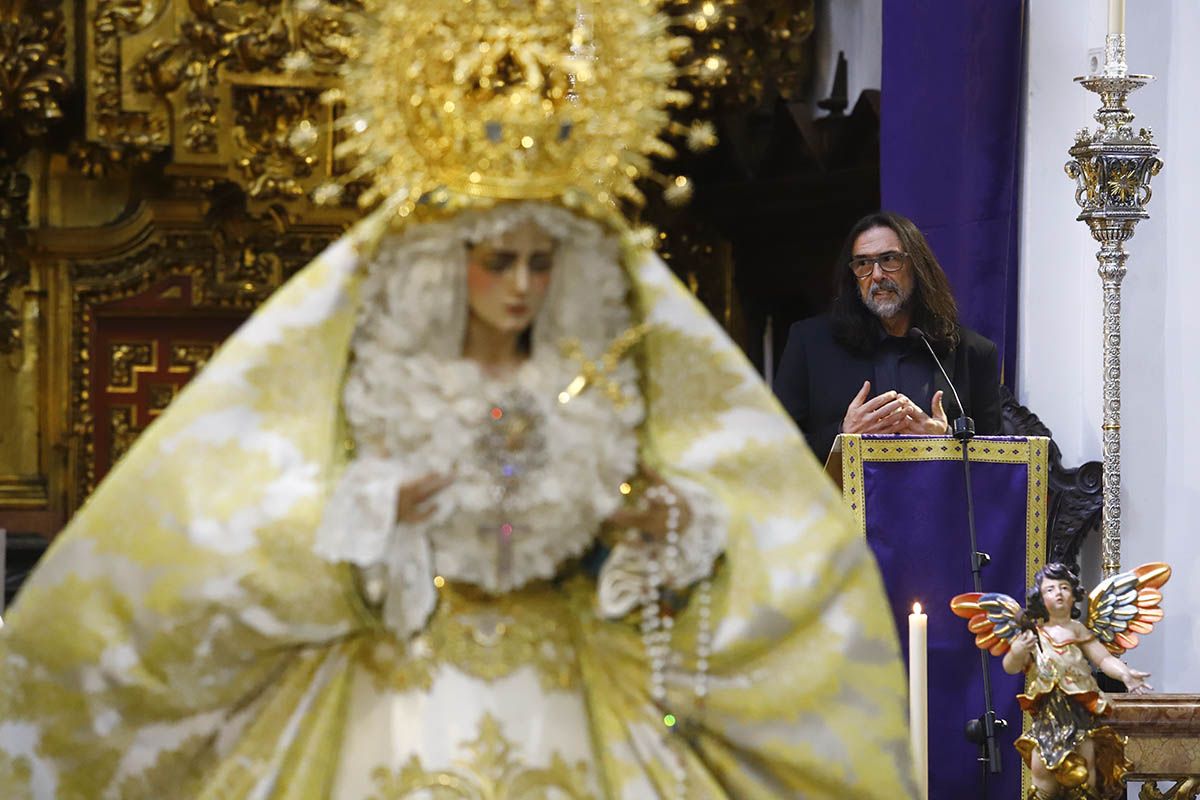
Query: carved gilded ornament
column 219, row 37
column 495, row 770
column 278, row 141
column 1123, row 181
column 124, row 424
column 485, row 637
column 123, row 428
column 222, row 85
column 33, row 68
column 111, row 24
column 160, row 396
column 34, row 82
column 127, row 361
column 190, row 357
column 1186, row 789
column 14, row 267
column 744, row 52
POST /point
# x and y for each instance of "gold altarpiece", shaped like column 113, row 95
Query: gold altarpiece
column 156, row 168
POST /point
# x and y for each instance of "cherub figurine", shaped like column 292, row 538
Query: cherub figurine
column 1069, row 751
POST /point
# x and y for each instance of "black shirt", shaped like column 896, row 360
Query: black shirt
column 818, row 377
column 903, row 364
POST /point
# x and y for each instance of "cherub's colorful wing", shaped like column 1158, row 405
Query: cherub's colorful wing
column 994, row 618
column 1126, row 605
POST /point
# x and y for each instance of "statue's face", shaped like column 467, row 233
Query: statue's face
column 1058, row 596
column 507, row 277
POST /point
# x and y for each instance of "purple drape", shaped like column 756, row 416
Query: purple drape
column 950, row 146
column 924, row 552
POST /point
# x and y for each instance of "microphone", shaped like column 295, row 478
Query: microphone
column 982, row 731
column 963, row 426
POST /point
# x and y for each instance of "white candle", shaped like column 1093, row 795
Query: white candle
column 1116, row 16
column 918, row 698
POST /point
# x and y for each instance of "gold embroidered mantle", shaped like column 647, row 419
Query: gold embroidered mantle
column 181, row 639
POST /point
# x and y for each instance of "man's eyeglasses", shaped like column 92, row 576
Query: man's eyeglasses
column 891, row 261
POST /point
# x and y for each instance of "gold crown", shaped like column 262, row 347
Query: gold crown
column 453, row 103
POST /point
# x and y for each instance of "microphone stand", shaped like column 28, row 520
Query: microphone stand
column 963, row 429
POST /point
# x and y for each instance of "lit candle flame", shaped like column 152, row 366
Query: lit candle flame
column 916, row 608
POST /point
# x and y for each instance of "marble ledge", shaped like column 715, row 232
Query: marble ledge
column 1155, row 714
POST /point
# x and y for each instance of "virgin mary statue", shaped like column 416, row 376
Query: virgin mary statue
column 481, row 504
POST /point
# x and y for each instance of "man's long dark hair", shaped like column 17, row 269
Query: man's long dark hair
column 933, row 308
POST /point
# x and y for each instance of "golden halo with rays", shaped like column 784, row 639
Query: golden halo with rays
column 450, row 104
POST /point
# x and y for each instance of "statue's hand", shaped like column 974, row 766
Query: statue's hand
column 1135, row 681
column 412, row 498
column 1023, row 645
column 653, row 514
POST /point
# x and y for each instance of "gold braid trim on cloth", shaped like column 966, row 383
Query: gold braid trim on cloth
column 180, row 639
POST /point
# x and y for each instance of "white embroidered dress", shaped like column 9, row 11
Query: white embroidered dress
column 533, row 480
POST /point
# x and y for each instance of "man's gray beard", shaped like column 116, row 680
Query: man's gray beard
column 886, row 309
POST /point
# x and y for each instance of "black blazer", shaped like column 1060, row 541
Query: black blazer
column 817, row 378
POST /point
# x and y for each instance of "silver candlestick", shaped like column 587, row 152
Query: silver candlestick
column 1112, row 168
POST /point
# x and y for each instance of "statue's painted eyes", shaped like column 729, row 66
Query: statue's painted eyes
column 499, row 261
column 502, row 261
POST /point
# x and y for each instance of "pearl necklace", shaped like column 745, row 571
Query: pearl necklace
column 658, row 623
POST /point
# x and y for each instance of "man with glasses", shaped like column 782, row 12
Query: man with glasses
column 858, row 369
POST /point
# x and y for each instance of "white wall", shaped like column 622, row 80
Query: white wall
column 855, row 27
column 1060, row 350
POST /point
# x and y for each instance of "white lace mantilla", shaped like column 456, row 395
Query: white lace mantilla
column 532, row 479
